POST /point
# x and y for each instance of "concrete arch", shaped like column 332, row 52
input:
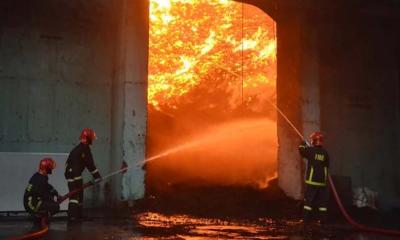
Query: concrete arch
column 289, row 88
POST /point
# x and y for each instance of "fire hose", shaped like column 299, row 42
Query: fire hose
column 345, row 214
column 125, row 167
column 44, row 226
column 34, row 235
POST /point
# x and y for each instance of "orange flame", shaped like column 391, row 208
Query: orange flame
column 189, row 38
column 212, row 66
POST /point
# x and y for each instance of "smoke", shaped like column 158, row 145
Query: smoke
column 235, row 153
column 212, row 70
column 218, row 135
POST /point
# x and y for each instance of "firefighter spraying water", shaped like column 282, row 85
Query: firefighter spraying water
column 318, row 139
column 316, row 193
column 79, row 159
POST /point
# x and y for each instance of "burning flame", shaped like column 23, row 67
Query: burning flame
column 190, row 38
column 212, row 66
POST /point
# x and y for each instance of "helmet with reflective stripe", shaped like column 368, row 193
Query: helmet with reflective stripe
column 87, row 136
column 46, row 166
column 317, row 139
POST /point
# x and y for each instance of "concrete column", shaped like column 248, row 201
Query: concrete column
column 289, row 101
column 298, row 97
column 129, row 106
column 310, row 82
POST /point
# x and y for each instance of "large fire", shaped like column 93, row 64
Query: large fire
column 211, row 62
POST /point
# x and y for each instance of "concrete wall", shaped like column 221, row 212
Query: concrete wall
column 60, row 71
column 338, row 71
column 65, row 65
column 55, row 72
column 359, row 74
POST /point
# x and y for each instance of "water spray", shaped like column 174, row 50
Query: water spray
column 287, row 119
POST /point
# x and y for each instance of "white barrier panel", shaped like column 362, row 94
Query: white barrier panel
column 15, row 171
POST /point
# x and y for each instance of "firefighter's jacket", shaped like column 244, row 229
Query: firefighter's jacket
column 38, row 192
column 317, row 164
column 79, row 159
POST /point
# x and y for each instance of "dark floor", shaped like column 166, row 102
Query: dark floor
column 150, row 225
column 206, row 213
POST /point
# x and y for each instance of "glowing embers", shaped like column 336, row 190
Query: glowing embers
column 191, row 41
column 189, row 227
column 212, row 65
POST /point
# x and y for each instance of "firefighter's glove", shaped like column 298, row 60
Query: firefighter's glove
column 59, row 198
column 97, row 175
column 144, row 166
column 54, row 194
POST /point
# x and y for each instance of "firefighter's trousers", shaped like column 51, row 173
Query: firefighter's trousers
column 75, row 201
column 315, row 200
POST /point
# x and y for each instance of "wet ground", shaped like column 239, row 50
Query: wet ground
column 204, row 213
column 150, row 225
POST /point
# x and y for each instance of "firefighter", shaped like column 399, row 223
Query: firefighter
column 316, row 193
column 80, row 158
column 39, row 196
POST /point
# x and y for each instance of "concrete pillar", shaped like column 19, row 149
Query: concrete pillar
column 129, row 107
column 298, row 96
column 289, row 101
column 310, row 82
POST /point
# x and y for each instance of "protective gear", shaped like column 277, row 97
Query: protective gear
column 315, row 201
column 317, row 139
column 124, row 167
column 317, row 164
column 75, row 201
column 87, row 136
column 316, row 193
column 39, row 197
column 79, row 159
column 96, row 180
column 47, row 165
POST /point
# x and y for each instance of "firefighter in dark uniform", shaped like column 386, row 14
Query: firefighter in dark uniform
column 39, row 196
column 79, row 159
column 316, row 193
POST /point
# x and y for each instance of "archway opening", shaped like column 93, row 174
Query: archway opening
column 211, row 83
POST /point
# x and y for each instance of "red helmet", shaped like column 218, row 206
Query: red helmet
column 317, row 139
column 46, row 165
column 87, row 136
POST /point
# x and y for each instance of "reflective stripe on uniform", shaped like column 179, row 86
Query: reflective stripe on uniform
column 326, row 172
column 319, row 157
column 38, row 205
column 30, row 203
column 315, row 183
column 95, row 171
column 74, row 179
column 311, row 182
column 34, row 208
column 308, row 208
column 323, row 209
column 74, row 201
column 311, row 174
